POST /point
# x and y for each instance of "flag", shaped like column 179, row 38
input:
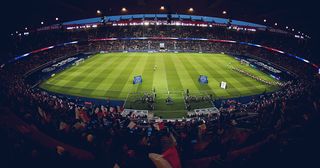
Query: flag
column 159, row 161
column 172, row 156
column 203, row 79
column 137, row 79
column 131, row 125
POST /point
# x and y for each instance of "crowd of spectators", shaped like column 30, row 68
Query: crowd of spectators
column 285, row 42
column 127, row 141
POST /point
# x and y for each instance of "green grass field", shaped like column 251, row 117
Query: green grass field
column 110, row 75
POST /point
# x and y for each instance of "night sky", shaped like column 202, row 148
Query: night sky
column 17, row 14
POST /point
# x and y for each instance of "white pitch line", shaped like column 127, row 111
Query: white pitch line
column 127, row 97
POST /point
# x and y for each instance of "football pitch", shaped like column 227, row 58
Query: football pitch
column 111, row 76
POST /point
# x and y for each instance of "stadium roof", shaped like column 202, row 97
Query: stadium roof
column 17, row 14
column 298, row 15
column 164, row 16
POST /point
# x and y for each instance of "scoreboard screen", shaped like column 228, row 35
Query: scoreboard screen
column 162, row 46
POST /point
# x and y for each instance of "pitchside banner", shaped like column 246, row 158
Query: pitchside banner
column 223, row 85
column 137, row 79
column 203, row 79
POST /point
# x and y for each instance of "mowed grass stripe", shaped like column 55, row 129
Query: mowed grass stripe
column 256, row 87
column 110, row 80
column 63, row 78
column 139, row 68
column 187, row 81
column 241, row 79
column 249, row 85
column 194, row 74
column 75, row 73
column 232, row 81
column 160, row 82
column 256, row 72
column 223, row 69
column 74, row 69
column 123, row 77
column 174, row 82
column 92, row 75
column 101, row 72
column 83, row 88
column 76, row 77
column 147, row 74
column 214, row 75
column 245, row 81
column 200, row 66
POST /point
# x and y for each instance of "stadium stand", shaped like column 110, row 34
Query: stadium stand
column 201, row 140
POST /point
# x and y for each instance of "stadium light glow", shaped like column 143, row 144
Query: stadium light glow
column 124, row 9
column 72, row 42
column 190, row 10
column 224, row 12
column 24, row 55
column 57, row 18
column 292, row 29
column 264, row 20
column 25, row 28
column 287, row 27
column 276, row 24
column 42, row 23
column 162, row 8
column 98, row 12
